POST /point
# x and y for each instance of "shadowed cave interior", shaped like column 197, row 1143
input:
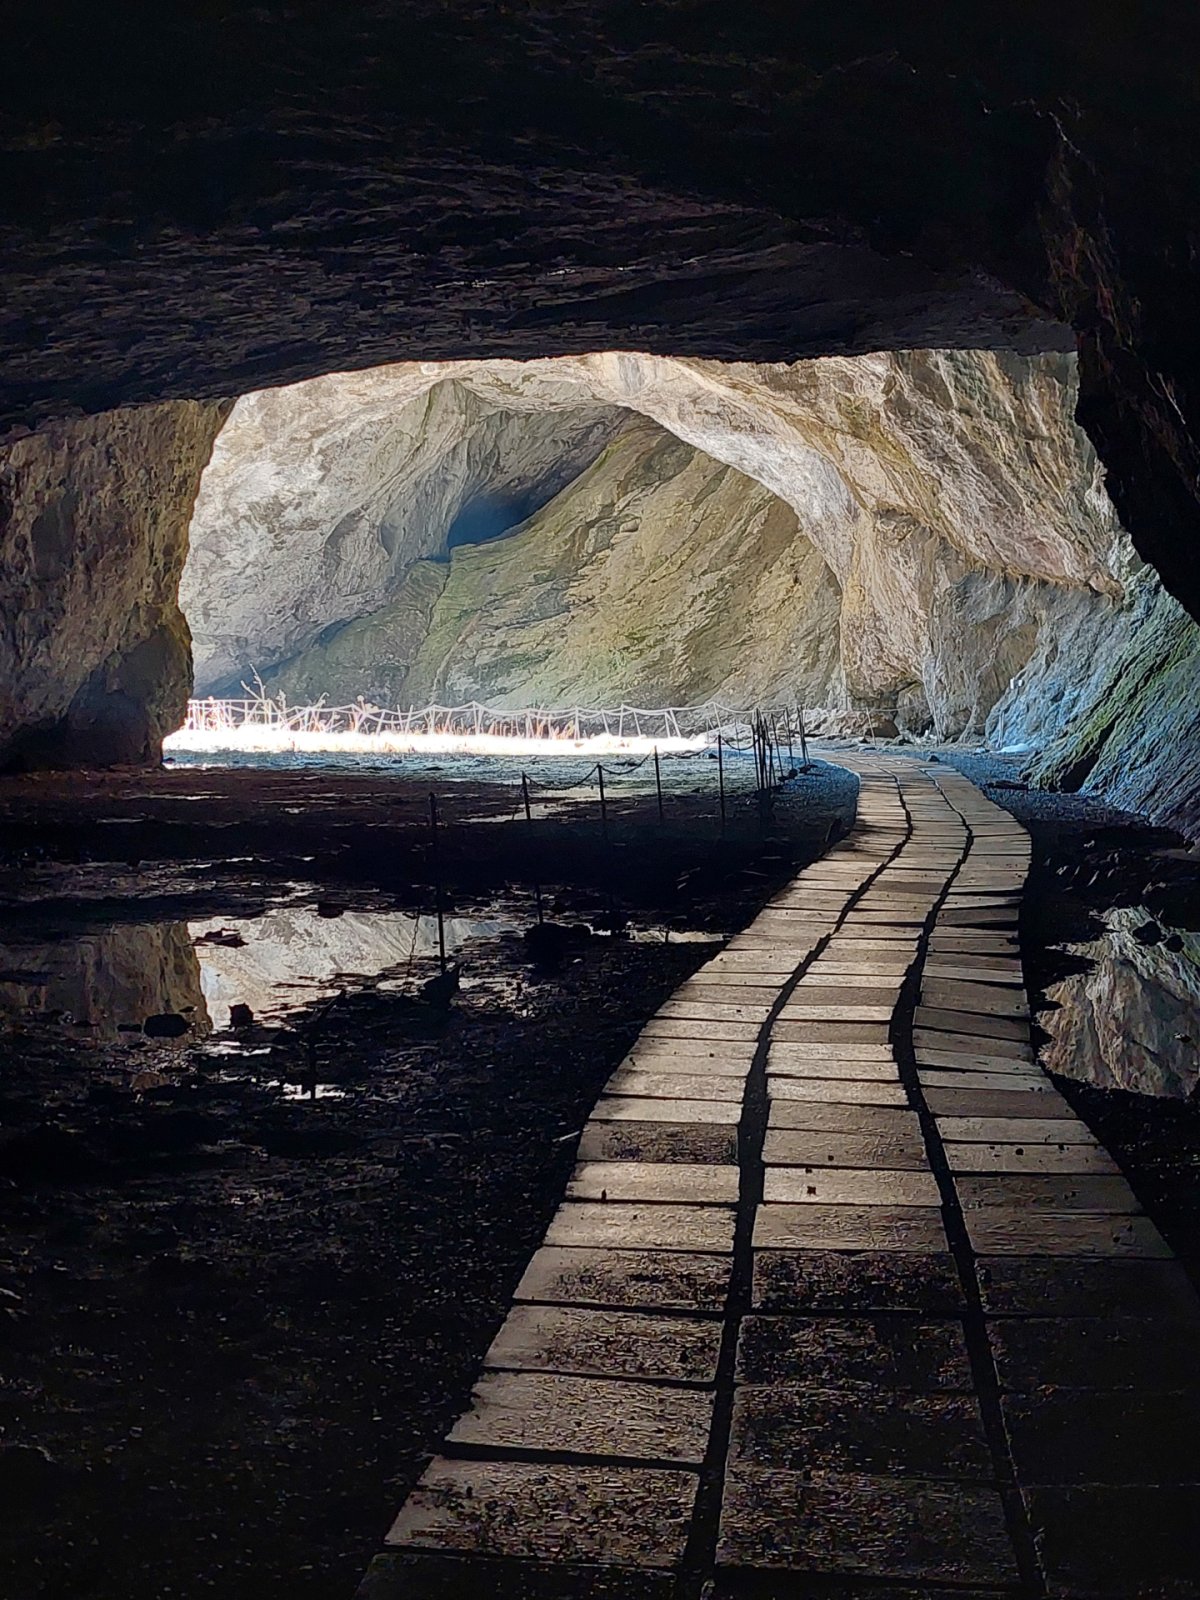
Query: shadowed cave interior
column 597, row 355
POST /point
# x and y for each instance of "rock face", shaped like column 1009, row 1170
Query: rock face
column 1107, row 704
column 658, row 577
column 318, row 499
column 890, row 532
column 1129, row 1022
column 105, row 980
column 291, row 956
column 94, row 651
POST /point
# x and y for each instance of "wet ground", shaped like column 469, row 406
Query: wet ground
column 248, row 1272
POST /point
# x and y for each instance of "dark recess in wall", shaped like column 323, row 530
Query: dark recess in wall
column 489, row 517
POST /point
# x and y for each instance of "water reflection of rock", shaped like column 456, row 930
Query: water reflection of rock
column 104, row 978
column 289, row 955
column 1133, row 1020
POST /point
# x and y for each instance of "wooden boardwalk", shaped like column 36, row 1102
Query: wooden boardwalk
column 842, row 1299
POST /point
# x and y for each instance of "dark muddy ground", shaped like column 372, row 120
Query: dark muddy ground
column 236, row 1317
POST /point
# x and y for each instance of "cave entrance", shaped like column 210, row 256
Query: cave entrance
column 896, row 542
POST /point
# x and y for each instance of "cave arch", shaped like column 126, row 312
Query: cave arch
column 936, row 507
column 198, row 207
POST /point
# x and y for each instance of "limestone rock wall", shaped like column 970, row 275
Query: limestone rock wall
column 950, row 496
column 320, row 497
column 95, row 662
column 107, row 979
column 657, row 577
column 1108, row 705
column 1119, row 1023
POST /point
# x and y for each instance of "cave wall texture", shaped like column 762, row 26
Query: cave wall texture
column 203, row 200
column 95, row 659
column 853, row 531
column 200, row 201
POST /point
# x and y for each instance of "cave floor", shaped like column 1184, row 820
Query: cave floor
column 247, row 1279
column 240, row 1298
column 841, row 1291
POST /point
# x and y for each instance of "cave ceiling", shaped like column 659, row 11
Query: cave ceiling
column 204, row 199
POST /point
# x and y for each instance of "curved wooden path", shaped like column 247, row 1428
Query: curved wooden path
column 842, row 1299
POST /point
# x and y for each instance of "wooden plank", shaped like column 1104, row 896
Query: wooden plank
column 880, row 986
column 939, row 1078
column 816, row 1050
column 1034, row 1129
column 658, row 1141
column 801, row 1009
column 848, row 1091
column 996, row 1231
column 695, row 1030
column 668, row 1279
column 816, row 990
column 633, row 1516
column 606, row 1344
column 849, row 1186
column 1014, row 1100
column 586, row 1416
column 783, row 1066
column 676, row 1086
column 714, row 1011
column 1050, row 1193
column 905, row 1151
column 626, row 1108
column 972, row 1023
column 676, row 1182
column 986, row 1060
column 644, row 1059
column 839, row 1033
column 815, row 1116
column 973, row 995
column 1008, row 973
column 624, row 1226
column 721, row 1049
column 928, row 1040
column 832, row 1227
column 1036, row 1156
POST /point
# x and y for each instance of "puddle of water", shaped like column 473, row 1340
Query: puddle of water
column 1133, row 1020
column 290, row 957
column 103, row 984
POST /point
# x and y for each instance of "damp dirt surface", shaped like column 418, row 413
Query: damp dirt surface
column 1088, row 859
column 247, row 1275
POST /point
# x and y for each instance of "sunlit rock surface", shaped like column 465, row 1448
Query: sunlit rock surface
column 1131, row 1021
column 319, row 499
column 1109, row 705
column 658, row 577
column 949, row 497
column 94, row 651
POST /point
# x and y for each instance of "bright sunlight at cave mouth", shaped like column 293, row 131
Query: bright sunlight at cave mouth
column 621, row 553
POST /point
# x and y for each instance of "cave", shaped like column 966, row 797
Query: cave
column 754, row 1151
